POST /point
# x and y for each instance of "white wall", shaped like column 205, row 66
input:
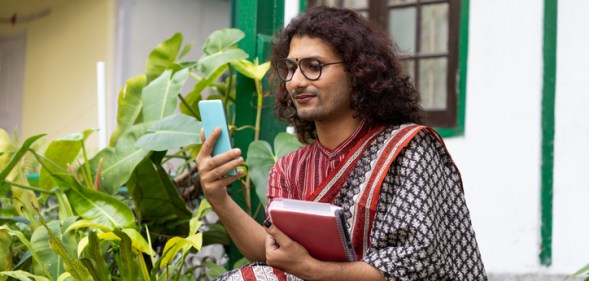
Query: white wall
column 571, row 153
column 499, row 155
column 143, row 24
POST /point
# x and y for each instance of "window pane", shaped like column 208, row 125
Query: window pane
column 350, row 4
column 356, row 4
column 432, row 83
column 394, row 2
column 402, row 28
column 434, row 28
column 408, row 67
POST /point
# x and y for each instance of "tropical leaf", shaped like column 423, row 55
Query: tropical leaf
column 221, row 40
column 177, row 130
column 251, row 70
column 59, row 154
column 157, row 200
column 285, row 143
column 208, row 64
column 120, row 161
column 260, row 160
column 129, row 106
column 160, row 96
column 195, row 95
column 40, row 242
column 87, row 224
column 28, row 245
column 12, row 171
column 137, row 241
column 17, row 156
column 162, row 56
column 97, row 258
column 23, row 275
column 177, row 244
column 5, row 252
column 97, row 207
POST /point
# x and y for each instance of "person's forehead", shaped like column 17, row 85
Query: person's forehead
column 306, row 46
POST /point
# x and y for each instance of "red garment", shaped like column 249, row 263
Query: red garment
column 296, row 175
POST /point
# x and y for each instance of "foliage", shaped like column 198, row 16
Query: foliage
column 78, row 223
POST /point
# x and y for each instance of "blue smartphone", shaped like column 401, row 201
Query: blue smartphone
column 213, row 115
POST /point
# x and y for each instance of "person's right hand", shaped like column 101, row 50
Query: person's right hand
column 213, row 170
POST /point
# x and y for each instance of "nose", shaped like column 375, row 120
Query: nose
column 298, row 80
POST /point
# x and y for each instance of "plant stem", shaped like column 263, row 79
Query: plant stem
column 260, row 95
column 260, row 103
column 194, row 114
column 229, row 85
column 40, row 190
column 88, row 174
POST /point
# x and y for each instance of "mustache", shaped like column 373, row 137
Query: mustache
column 295, row 92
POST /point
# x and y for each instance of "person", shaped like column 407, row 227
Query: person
column 340, row 85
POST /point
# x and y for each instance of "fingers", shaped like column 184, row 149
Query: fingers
column 271, row 244
column 209, row 143
column 277, row 234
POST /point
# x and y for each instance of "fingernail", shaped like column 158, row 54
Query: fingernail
column 267, row 223
column 236, row 151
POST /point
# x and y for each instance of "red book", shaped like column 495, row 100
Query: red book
column 319, row 227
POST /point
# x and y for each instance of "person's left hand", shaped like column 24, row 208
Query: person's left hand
column 285, row 253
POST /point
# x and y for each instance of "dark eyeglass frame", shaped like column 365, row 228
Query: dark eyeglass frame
column 297, row 64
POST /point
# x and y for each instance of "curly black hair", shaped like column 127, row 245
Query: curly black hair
column 381, row 94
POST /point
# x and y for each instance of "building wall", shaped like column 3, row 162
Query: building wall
column 60, row 65
column 500, row 152
column 62, row 49
column 571, row 143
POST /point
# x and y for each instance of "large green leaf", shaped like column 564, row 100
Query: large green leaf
column 27, row 244
column 285, row 143
column 24, row 276
column 40, row 242
column 12, row 171
column 5, row 252
column 129, row 106
column 221, row 40
column 177, row 130
column 162, row 56
column 60, row 152
column 97, row 207
column 195, row 95
column 208, row 64
column 160, row 97
column 157, row 201
column 120, row 161
column 260, row 160
column 17, row 157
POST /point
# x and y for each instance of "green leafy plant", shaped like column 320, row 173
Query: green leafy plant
column 86, row 217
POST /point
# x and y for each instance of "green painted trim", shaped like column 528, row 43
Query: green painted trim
column 302, row 5
column 548, row 117
column 458, row 131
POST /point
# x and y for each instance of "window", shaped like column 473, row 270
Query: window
column 427, row 33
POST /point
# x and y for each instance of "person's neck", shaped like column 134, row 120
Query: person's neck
column 332, row 134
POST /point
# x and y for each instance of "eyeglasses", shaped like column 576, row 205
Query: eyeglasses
column 310, row 68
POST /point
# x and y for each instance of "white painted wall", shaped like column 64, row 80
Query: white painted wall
column 500, row 153
column 571, row 153
column 143, row 24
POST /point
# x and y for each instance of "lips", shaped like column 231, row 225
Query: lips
column 302, row 98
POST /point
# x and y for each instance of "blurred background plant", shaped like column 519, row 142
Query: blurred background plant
column 137, row 202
